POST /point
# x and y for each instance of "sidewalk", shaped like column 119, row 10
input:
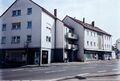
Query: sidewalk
column 69, row 63
column 87, row 62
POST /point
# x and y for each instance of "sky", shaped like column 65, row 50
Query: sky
column 105, row 13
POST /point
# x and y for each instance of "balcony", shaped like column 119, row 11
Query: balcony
column 71, row 47
column 71, row 36
column 68, row 46
column 75, row 47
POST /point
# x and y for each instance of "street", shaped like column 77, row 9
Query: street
column 91, row 70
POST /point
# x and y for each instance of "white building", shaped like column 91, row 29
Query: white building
column 27, row 33
column 94, row 43
column 117, row 45
column 66, row 43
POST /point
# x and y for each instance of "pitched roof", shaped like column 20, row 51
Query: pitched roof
column 35, row 4
column 89, row 26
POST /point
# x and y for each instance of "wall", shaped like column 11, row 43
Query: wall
column 107, row 43
column 47, row 30
column 23, row 32
column 91, row 38
column 79, row 30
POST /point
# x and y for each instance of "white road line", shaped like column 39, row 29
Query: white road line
column 83, row 74
column 37, row 70
column 115, row 69
column 55, row 71
column 102, row 71
column 88, row 67
column 17, row 69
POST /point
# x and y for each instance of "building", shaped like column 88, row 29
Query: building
column 27, row 33
column 94, row 43
column 66, row 43
column 32, row 35
column 117, row 48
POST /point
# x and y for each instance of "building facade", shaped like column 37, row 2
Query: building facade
column 66, row 43
column 26, row 36
column 117, row 48
column 94, row 43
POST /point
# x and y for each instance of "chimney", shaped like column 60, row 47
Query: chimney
column 93, row 23
column 55, row 12
column 83, row 20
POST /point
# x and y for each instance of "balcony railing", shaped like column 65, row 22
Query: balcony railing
column 71, row 36
column 75, row 47
column 71, row 47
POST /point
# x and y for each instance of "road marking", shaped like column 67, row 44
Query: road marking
column 37, row 69
column 55, row 71
column 102, row 71
column 88, row 67
column 17, row 69
column 115, row 69
column 83, row 74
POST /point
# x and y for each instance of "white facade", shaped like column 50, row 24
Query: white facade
column 94, row 41
column 8, row 19
column 41, row 30
column 91, row 39
column 47, row 30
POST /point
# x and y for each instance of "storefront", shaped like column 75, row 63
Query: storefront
column 90, row 55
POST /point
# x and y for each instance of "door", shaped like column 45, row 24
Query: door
column 44, row 57
column 37, row 57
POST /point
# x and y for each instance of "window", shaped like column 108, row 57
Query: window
column 91, row 33
column 94, row 44
column 16, row 26
column 29, row 24
column 4, row 27
column 48, row 39
column 94, row 34
column 91, row 43
column 3, row 40
column 15, row 39
column 16, row 13
column 29, row 38
column 88, row 43
column 29, row 11
column 87, row 32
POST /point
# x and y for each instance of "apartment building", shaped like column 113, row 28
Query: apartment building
column 27, row 33
column 66, row 43
column 32, row 35
column 94, row 43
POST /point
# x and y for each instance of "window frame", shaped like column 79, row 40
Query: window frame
column 29, row 11
column 29, row 38
column 29, row 24
column 16, row 13
column 3, row 40
column 4, row 27
column 16, row 26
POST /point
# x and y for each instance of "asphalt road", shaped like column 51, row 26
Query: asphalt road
column 61, row 71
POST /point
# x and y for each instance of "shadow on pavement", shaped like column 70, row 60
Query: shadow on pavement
column 76, row 77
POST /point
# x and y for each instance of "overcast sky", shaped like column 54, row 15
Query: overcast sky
column 105, row 13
